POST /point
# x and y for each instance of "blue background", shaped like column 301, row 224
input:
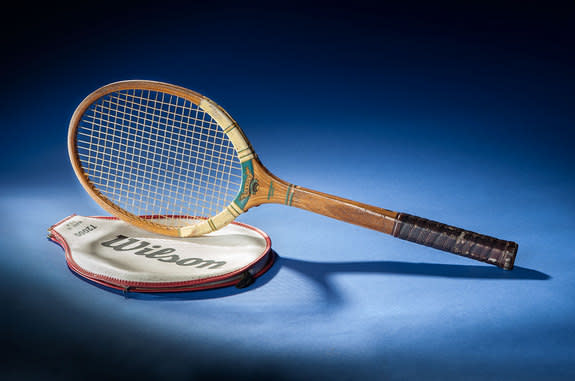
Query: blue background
column 462, row 114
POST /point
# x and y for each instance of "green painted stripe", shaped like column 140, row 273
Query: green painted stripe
column 288, row 194
column 234, row 210
column 238, row 208
column 211, row 223
column 271, row 191
column 291, row 196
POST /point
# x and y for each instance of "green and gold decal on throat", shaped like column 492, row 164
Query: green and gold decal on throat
column 249, row 184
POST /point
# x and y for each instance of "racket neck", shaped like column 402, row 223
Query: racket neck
column 272, row 189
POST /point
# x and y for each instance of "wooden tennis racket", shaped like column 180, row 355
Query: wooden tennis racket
column 144, row 148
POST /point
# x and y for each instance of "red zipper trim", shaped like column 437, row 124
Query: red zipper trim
column 207, row 283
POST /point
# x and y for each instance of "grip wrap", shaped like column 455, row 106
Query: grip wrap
column 455, row 240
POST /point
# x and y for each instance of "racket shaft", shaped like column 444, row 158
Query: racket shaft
column 411, row 228
column 354, row 212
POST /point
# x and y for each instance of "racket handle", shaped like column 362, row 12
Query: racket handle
column 455, row 240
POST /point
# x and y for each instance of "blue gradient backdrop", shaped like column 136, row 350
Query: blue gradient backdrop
column 463, row 114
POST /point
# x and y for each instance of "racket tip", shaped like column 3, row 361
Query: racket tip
column 509, row 255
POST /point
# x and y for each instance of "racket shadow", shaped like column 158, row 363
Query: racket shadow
column 321, row 272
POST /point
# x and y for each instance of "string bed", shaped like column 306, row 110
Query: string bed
column 153, row 153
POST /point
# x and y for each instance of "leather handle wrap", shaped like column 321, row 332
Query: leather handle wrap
column 455, row 240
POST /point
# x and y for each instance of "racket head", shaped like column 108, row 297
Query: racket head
column 146, row 148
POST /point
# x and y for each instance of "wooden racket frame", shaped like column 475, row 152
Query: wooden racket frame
column 224, row 120
column 259, row 186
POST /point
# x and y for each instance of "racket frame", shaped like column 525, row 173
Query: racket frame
column 229, row 127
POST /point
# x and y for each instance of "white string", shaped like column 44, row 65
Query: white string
column 153, row 153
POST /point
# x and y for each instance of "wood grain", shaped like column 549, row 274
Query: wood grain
column 272, row 189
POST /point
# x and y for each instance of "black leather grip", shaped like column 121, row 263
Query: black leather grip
column 455, row 240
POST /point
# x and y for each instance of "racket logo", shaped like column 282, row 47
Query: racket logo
column 251, row 185
column 143, row 248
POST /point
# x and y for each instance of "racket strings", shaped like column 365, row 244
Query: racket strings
column 153, row 153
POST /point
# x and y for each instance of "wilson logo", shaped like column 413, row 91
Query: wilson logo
column 163, row 254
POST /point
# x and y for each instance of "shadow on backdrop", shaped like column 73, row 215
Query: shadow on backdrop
column 320, row 272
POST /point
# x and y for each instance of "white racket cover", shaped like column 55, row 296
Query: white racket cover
column 115, row 254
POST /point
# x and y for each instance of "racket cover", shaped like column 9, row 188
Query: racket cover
column 115, row 254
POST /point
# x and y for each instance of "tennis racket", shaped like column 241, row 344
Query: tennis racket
column 144, row 148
